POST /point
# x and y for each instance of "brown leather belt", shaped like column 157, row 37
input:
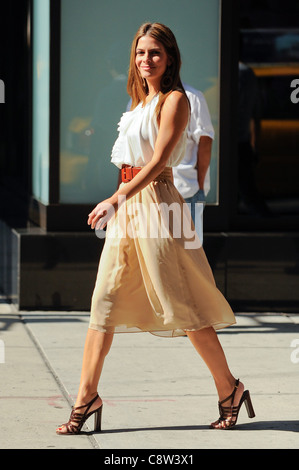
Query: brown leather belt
column 129, row 172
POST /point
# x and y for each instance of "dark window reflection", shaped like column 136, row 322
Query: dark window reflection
column 269, row 161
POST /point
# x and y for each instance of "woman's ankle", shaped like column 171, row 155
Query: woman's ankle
column 85, row 396
column 225, row 387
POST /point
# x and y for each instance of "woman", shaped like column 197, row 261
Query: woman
column 158, row 283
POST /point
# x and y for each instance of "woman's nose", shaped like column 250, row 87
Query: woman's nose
column 146, row 57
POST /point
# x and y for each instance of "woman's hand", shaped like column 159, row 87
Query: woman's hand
column 102, row 213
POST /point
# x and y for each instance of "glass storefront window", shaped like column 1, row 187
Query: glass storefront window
column 95, row 44
column 270, row 176
column 40, row 122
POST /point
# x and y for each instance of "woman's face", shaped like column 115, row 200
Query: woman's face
column 151, row 59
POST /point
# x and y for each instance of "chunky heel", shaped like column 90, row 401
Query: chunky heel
column 229, row 414
column 248, row 404
column 98, row 420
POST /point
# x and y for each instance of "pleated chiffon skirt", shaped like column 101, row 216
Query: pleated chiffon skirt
column 153, row 273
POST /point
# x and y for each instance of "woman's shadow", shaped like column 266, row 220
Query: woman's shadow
column 289, row 426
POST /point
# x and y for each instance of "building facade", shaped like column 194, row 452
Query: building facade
column 64, row 66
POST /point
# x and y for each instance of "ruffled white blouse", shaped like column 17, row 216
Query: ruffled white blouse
column 138, row 131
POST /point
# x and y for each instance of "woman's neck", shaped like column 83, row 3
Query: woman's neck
column 153, row 89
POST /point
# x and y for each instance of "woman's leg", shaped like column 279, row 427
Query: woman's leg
column 97, row 346
column 207, row 344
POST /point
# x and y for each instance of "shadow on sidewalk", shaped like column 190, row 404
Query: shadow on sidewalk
column 289, row 426
column 258, row 322
column 7, row 320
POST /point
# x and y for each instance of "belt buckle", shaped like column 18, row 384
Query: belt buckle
column 127, row 174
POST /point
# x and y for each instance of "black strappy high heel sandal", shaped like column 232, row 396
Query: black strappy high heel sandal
column 76, row 421
column 230, row 413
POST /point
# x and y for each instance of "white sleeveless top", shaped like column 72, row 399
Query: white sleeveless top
column 138, row 131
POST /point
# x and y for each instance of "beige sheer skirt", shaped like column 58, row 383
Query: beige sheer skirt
column 153, row 273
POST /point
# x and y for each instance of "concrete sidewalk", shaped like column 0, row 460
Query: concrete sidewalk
column 157, row 392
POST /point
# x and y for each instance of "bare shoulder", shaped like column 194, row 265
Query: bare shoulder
column 177, row 98
column 176, row 102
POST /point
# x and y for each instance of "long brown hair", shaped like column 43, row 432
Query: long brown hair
column 137, row 86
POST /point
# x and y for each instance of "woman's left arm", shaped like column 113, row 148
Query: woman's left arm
column 173, row 120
